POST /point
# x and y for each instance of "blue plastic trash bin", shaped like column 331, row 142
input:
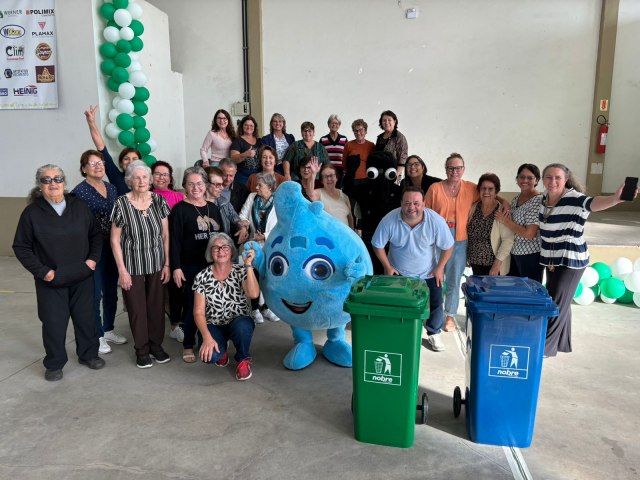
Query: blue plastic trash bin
column 506, row 330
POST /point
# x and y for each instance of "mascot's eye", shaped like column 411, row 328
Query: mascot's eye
column 390, row 174
column 318, row 267
column 372, row 173
column 278, row 265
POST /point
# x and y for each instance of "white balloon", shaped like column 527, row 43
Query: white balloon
column 134, row 67
column 133, row 56
column 115, row 101
column 152, row 144
column 137, row 78
column 607, row 299
column 586, row 297
column 126, row 90
column 126, row 33
column 112, row 130
column 589, row 277
column 632, row 282
column 111, row 34
column 135, row 10
column 636, row 299
column 122, row 17
column 113, row 114
column 636, row 265
column 125, row 106
column 621, row 266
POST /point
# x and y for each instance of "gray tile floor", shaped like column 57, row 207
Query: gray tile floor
column 179, row 421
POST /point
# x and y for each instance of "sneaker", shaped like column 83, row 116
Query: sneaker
column 269, row 315
column 160, row 357
column 177, row 334
column 53, row 375
column 223, row 361
column 104, row 346
column 436, row 342
column 243, row 370
column 113, row 337
column 94, row 364
column 257, row 316
column 144, row 361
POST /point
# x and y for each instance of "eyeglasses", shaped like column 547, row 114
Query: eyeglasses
column 526, row 177
column 95, row 163
column 162, row 175
column 412, row 165
column 216, row 185
column 307, row 130
column 221, row 248
column 48, row 180
column 225, row 119
column 195, row 184
column 455, row 169
column 358, row 130
column 331, row 175
column 306, row 167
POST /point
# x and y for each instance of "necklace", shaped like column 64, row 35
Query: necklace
column 205, row 222
column 453, row 189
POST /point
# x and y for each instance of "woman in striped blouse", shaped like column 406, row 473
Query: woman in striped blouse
column 564, row 254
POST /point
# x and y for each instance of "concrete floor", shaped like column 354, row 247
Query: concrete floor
column 179, row 421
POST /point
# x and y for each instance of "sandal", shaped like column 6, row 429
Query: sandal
column 449, row 324
column 188, row 357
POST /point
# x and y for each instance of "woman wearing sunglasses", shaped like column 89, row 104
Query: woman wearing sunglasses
column 58, row 240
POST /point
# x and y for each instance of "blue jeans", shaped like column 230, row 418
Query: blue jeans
column 436, row 318
column 105, row 280
column 239, row 331
column 452, row 274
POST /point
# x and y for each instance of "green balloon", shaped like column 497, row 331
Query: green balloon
column 627, row 297
column 149, row 159
column 142, row 135
column 124, row 121
column 120, row 3
column 144, row 149
column 136, row 44
column 612, row 287
column 137, row 27
column 107, row 66
column 139, row 122
column 108, row 50
column 140, row 108
column 142, row 94
column 107, row 10
column 126, row 138
column 123, row 46
column 112, row 23
column 578, row 290
column 596, row 290
column 122, row 60
column 120, row 75
column 603, row 270
column 113, row 85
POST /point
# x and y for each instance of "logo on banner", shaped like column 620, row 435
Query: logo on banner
column 10, row 13
column 4, row 92
column 28, row 91
column 383, row 367
column 509, row 361
column 43, row 32
column 14, row 52
column 20, row 72
column 46, row 74
column 45, row 12
column 43, row 51
column 12, row 31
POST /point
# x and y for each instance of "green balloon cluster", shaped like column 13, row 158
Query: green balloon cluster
column 114, row 65
column 608, row 285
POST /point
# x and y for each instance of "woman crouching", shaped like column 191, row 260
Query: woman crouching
column 221, row 304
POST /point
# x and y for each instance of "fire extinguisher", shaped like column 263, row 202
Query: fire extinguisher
column 601, row 144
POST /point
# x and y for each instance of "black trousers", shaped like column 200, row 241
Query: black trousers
column 562, row 283
column 145, row 307
column 55, row 306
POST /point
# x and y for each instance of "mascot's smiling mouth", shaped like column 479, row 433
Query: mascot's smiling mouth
column 295, row 308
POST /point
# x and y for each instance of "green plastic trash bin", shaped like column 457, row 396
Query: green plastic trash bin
column 387, row 313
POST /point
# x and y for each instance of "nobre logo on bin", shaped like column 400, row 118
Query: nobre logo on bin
column 509, row 361
column 508, row 373
column 382, row 378
column 384, row 368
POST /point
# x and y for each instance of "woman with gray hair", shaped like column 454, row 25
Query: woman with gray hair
column 259, row 211
column 58, row 240
column 334, row 143
column 140, row 243
column 191, row 223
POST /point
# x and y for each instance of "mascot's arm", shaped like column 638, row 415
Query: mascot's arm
column 352, row 163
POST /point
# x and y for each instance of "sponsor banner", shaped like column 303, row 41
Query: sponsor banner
column 28, row 78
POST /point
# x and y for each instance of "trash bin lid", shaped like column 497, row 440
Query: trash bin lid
column 512, row 291
column 390, row 290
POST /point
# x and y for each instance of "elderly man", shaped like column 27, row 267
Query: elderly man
column 235, row 192
column 420, row 244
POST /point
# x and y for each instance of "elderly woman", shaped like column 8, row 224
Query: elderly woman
column 191, row 223
column 307, row 147
column 244, row 149
column 563, row 213
column 258, row 210
column 162, row 173
column 392, row 141
column 334, row 143
column 523, row 222
column 127, row 155
column 221, row 310
column 335, row 202
column 140, row 243
column 278, row 138
column 100, row 197
column 489, row 241
column 416, row 174
column 59, row 242
column 268, row 158
column 359, row 149
column 232, row 224
column 218, row 139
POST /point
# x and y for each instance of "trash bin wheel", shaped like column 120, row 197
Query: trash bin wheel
column 424, row 409
column 457, row 401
